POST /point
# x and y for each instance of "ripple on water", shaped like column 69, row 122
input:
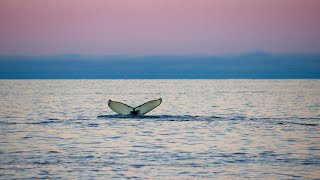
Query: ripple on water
column 226, row 129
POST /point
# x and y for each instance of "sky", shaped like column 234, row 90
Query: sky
column 158, row 26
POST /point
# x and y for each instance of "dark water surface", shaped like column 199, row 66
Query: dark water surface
column 204, row 129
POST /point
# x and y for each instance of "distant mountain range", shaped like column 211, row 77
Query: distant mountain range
column 256, row 65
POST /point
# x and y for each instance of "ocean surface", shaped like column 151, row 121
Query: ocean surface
column 204, row 129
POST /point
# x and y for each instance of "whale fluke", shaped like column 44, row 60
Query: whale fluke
column 124, row 109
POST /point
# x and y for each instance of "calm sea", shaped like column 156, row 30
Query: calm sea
column 204, row 129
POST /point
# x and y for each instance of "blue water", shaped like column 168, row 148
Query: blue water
column 204, row 129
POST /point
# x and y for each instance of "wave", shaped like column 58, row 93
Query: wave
column 312, row 121
column 161, row 117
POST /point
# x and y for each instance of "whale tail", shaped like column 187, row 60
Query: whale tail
column 124, row 109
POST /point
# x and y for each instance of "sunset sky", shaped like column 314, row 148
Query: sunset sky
column 159, row 26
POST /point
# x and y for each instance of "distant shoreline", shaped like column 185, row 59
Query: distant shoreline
column 244, row 66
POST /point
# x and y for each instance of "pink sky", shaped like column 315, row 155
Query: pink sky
column 159, row 26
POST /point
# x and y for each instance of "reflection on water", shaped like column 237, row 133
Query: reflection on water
column 211, row 129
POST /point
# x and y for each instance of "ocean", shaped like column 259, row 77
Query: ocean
column 204, row 129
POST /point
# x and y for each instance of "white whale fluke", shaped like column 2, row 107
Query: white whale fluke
column 124, row 109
